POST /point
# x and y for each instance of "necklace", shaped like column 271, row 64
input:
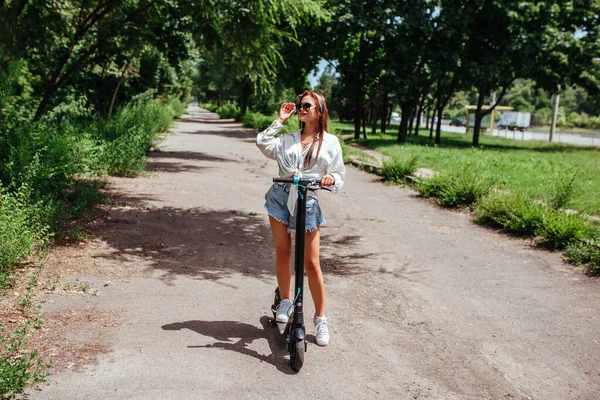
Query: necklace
column 306, row 142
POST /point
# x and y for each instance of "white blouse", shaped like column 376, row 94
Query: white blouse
column 288, row 152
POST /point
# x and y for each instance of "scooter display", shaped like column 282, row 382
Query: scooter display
column 294, row 329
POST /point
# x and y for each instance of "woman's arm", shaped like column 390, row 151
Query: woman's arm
column 266, row 141
column 337, row 169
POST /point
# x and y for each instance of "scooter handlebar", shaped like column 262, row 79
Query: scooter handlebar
column 311, row 183
column 300, row 181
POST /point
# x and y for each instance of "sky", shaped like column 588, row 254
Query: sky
column 313, row 77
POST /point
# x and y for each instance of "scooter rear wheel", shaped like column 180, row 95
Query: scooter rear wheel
column 297, row 355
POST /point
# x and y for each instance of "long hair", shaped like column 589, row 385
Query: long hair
column 322, row 124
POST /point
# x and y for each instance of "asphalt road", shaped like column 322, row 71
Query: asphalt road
column 569, row 138
column 422, row 303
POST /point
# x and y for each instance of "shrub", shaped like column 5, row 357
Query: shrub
column 560, row 229
column 397, row 169
column 19, row 368
column 132, row 132
column 177, row 105
column 562, row 191
column 462, row 183
column 257, row 121
column 41, row 155
column 585, row 252
column 510, row 210
column 229, row 110
column 85, row 193
column 125, row 156
column 22, row 226
column 210, row 107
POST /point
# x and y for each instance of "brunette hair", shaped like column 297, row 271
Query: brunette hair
column 322, row 123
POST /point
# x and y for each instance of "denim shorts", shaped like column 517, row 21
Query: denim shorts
column 276, row 205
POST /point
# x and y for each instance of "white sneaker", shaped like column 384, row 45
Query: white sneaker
column 322, row 334
column 282, row 315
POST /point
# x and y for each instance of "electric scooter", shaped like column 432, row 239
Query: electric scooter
column 294, row 330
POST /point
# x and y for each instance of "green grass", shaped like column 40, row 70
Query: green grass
column 534, row 167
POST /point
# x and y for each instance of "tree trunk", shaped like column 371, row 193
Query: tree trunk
column 374, row 118
column 357, row 114
column 555, row 101
column 246, row 92
column 419, row 112
column 384, row 111
column 221, row 97
column 477, row 127
column 364, row 121
column 114, row 96
column 438, row 127
column 411, row 121
column 431, row 126
column 48, row 93
column 405, row 107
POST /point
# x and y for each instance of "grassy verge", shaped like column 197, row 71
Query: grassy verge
column 546, row 191
column 531, row 166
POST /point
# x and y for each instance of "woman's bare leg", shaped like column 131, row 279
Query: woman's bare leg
column 283, row 256
column 313, row 270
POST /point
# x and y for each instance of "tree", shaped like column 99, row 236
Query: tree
column 250, row 38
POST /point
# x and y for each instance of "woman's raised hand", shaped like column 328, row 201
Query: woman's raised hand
column 285, row 112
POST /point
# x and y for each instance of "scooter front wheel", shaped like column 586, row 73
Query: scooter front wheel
column 297, row 355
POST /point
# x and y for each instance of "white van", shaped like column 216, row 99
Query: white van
column 395, row 118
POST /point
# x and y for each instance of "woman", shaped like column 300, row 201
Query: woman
column 310, row 152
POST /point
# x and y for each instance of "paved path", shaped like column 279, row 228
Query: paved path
column 423, row 304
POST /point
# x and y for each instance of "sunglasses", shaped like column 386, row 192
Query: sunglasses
column 304, row 106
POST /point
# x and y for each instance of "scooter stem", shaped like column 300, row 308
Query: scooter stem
column 299, row 255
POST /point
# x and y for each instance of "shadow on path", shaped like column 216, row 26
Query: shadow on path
column 206, row 244
column 236, row 336
column 236, row 132
column 188, row 155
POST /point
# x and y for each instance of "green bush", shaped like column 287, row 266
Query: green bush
column 42, row 155
column 210, row 107
column 461, row 183
column 125, row 156
column 22, row 227
column 42, row 163
column 131, row 133
column 585, row 252
column 510, row 210
column 86, row 193
column 452, row 114
column 542, row 116
column 229, row 110
column 397, row 169
column 257, row 121
column 562, row 192
column 560, row 229
column 19, row 368
column 178, row 107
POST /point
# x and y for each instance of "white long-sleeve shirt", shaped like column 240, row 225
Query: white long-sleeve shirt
column 287, row 150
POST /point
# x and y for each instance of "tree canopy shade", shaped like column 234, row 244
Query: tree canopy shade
column 419, row 53
column 88, row 46
column 387, row 53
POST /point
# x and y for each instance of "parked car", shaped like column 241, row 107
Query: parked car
column 512, row 128
column 458, row 122
column 395, row 118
